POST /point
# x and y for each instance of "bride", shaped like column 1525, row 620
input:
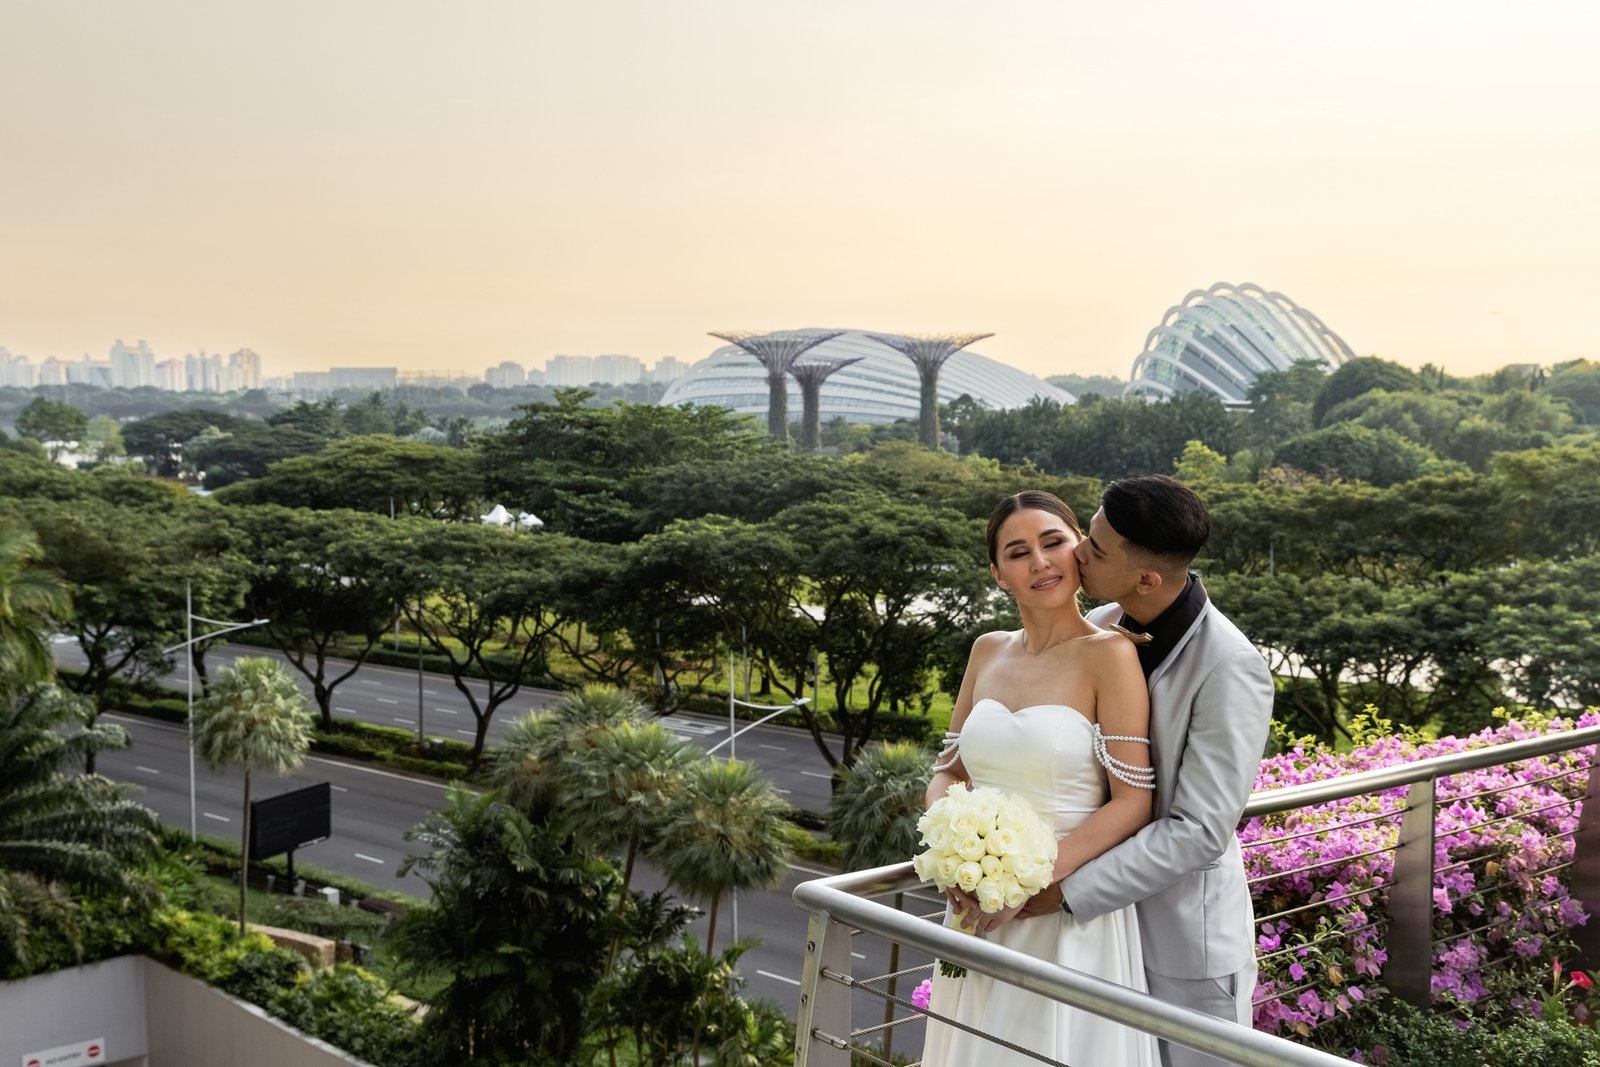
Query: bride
column 1058, row 714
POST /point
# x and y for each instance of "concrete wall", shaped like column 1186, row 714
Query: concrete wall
column 150, row 1015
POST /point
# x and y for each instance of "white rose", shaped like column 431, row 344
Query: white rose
column 1001, row 842
column 964, row 822
column 970, row 847
column 941, row 837
column 968, row 875
column 986, row 807
column 948, row 865
column 992, row 867
column 926, row 865
column 991, row 898
column 1013, row 891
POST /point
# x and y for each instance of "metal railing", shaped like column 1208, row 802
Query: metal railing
column 840, row 908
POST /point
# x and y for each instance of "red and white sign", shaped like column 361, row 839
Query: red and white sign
column 84, row 1052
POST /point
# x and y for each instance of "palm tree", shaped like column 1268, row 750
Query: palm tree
column 60, row 829
column 254, row 717
column 726, row 832
column 531, row 763
column 874, row 814
column 621, row 788
column 515, row 928
column 30, row 598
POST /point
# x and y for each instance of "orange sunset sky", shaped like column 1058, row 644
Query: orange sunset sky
column 433, row 185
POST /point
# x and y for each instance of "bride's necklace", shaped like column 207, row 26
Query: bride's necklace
column 1047, row 646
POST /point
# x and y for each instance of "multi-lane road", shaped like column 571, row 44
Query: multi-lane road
column 373, row 808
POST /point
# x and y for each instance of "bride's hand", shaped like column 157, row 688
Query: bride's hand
column 988, row 921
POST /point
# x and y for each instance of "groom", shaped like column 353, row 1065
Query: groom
column 1210, row 705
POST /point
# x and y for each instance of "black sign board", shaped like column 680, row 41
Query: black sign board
column 290, row 820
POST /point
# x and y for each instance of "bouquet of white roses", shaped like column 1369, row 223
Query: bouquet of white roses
column 990, row 844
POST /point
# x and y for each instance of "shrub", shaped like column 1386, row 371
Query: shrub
column 1499, row 895
column 350, row 1008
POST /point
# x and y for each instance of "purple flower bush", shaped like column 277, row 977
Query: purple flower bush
column 1320, row 875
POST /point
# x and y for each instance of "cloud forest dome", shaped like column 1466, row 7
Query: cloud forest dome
column 882, row 387
column 1220, row 338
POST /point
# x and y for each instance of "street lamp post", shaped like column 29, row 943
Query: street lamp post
column 189, row 641
column 733, row 734
column 733, row 750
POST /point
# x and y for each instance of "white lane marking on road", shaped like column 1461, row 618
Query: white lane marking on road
column 369, row 859
column 387, row 700
column 430, row 692
column 219, row 818
column 858, row 955
column 447, row 711
column 147, row 770
column 347, row 711
column 775, row 748
column 469, row 733
column 397, row 718
column 785, row 792
column 812, row 870
column 337, row 788
column 816, row 774
column 779, row 977
column 368, row 681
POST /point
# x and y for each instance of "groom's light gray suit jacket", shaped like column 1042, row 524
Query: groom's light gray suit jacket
column 1210, row 707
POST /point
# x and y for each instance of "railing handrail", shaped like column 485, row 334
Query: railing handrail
column 844, row 898
column 1272, row 801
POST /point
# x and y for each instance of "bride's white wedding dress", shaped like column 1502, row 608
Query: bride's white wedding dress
column 1044, row 754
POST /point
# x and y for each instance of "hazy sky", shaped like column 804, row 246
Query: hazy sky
column 447, row 185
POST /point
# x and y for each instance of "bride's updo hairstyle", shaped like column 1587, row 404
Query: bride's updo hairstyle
column 1028, row 498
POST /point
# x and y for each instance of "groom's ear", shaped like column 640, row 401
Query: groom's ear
column 1149, row 582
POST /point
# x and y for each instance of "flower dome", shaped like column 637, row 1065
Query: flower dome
column 881, row 387
column 1220, row 338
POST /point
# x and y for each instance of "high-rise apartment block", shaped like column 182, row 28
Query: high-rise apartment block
column 668, row 369
column 567, row 371
column 507, row 375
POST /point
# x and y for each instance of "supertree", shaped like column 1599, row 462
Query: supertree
column 811, row 376
column 928, row 352
column 777, row 354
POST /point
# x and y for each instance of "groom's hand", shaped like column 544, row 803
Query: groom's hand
column 1046, row 901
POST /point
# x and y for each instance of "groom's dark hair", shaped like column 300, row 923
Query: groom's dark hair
column 1159, row 516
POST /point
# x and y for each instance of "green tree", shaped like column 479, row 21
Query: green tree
column 515, row 933
column 882, row 581
column 161, row 439
column 1280, row 404
column 379, row 474
column 31, row 600
column 56, row 426
column 1577, row 384
column 725, row 833
column 488, row 601
column 1354, row 452
column 874, row 814
column 1361, row 375
column 126, row 568
column 221, row 458
column 102, row 440
column 316, row 578
column 254, row 718
column 1551, row 497
column 571, row 464
column 60, row 830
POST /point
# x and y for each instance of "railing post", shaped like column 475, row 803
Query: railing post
column 1586, row 869
column 822, row 1030
column 1409, row 970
